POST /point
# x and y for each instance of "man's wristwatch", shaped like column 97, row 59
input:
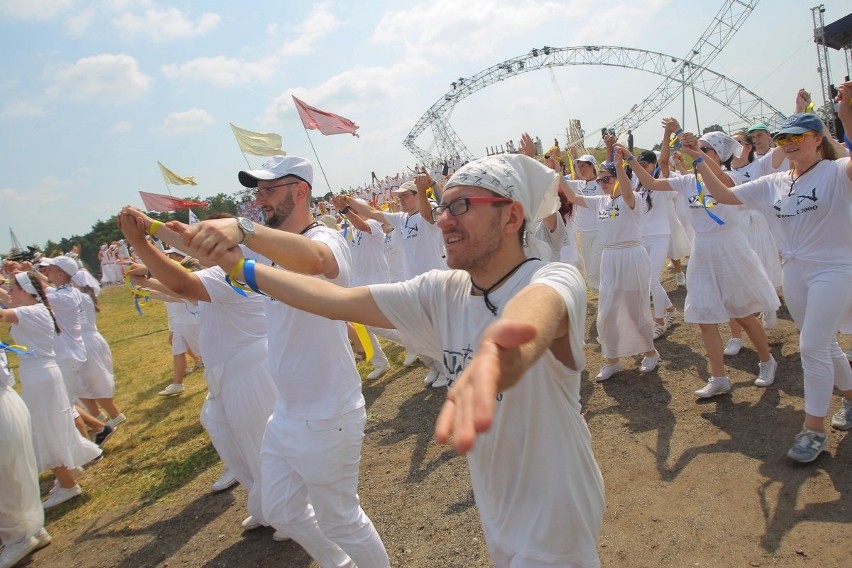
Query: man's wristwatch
column 247, row 227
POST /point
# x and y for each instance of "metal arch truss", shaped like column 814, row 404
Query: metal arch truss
column 725, row 91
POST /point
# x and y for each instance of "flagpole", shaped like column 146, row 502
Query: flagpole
column 317, row 157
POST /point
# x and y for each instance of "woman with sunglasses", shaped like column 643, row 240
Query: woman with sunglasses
column 57, row 443
column 624, row 322
column 810, row 209
column 724, row 278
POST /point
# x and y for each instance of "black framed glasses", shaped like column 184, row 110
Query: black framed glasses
column 267, row 191
column 606, row 179
column 462, row 205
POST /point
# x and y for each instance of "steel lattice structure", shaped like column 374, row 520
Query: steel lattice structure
column 678, row 72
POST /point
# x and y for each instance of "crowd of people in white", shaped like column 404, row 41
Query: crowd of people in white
column 481, row 271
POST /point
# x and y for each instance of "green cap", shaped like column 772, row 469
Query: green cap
column 758, row 126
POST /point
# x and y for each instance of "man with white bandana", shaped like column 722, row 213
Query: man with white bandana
column 509, row 327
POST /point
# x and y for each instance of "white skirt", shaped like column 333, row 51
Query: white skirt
column 725, row 280
column 96, row 378
column 56, row 440
column 625, row 326
column 756, row 229
column 21, row 513
column 681, row 240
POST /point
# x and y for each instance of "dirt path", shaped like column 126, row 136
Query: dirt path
column 688, row 484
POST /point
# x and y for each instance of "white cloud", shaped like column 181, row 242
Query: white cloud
column 46, row 191
column 21, row 109
column 121, row 127
column 33, row 9
column 222, row 71
column 105, row 78
column 319, row 24
column 165, row 24
column 186, row 122
column 79, row 22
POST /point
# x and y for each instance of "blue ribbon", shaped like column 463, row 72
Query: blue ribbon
column 702, row 196
column 17, row 349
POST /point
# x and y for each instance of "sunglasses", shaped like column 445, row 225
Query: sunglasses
column 267, row 191
column 605, row 179
column 461, row 206
column 706, row 149
column 784, row 139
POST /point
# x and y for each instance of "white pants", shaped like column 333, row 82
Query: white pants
column 658, row 251
column 819, row 298
column 591, row 248
column 309, row 479
column 21, row 513
column 504, row 558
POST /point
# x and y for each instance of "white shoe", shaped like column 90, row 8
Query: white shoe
column 660, row 329
column 680, row 278
column 60, row 495
column 431, row 377
column 714, row 386
column 250, row 523
column 650, row 363
column 43, row 537
column 766, row 373
column 441, row 381
column 378, row 371
column 15, row 552
column 172, row 390
column 225, row 481
column 113, row 423
column 608, row 371
column 770, row 320
column 410, row 358
column 671, row 316
column 733, row 346
column 279, row 536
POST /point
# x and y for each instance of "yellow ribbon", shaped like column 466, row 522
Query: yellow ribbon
column 364, row 338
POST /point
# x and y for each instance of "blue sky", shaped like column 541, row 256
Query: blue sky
column 94, row 93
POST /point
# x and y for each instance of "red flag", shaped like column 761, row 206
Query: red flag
column 162, row 203
column 326, row 122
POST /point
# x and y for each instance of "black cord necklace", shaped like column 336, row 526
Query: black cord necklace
column 486, row 291
column 798, row 177
column 309, row 227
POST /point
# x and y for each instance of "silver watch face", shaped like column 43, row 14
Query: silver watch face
column 247, row 225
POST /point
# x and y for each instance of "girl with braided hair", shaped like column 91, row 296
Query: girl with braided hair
column 57, row 443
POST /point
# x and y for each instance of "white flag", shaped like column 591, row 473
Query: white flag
column 193, row 219
column 258, row 143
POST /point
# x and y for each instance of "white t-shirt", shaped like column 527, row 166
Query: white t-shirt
column 585, row 219
column 183, row 312
column 35, row 331
column 534, row 476
column 5, row 374
column 654, row 221
column 310, row 358
column 814, row 222
column 699, row 219
column 761, row 166
column 393, row 255
column 369, row 265
column 617, row 223
column 422, row 243
column 229, row 322
column 90, row 316
column 67, row 305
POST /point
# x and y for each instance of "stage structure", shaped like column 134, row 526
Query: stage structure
column 837, row 35
column 678, row 73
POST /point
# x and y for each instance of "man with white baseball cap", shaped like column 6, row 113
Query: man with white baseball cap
column 586, row 220
column 312, row 446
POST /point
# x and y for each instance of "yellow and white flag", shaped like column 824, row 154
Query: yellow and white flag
column 174, row 179
column 258, row 143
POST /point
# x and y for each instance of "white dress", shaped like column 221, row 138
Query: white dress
column 56, row 440
column 725, row 279
column 21, row 513
column 97, row 378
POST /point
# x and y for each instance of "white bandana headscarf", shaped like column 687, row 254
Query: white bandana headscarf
column 725, row 146
column 521, row 179
column 24, row 282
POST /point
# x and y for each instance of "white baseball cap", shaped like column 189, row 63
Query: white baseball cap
column 278, row 167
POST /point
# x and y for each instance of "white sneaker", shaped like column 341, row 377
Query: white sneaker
column 279, row 536
column 733, row 346
column 250, row 523
column 770, row 320
column 671, row 316
column 15, row 552
column 714, row 386
column 608, row 371
column 441, row 381
column 431, row 377
column 410, row 358
column 60, row 495
column 378, row 371
column 172, row 390
column 650, row 363
column 43, row 537
column 766, row 373
column 660, row 329
column 113, row 423
column 225, row 481
column 680, row 278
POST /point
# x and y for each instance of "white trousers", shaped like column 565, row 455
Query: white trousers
column 591, row 248
column 309, row 479
column 819, row 298
column 658, row 251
